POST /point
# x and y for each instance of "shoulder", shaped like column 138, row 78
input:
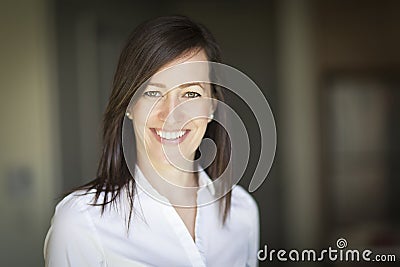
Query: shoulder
column 242, row 199
column 245, row 209
column 77, row 202
column 71, row 213
column 244, row 205
column 72, row 231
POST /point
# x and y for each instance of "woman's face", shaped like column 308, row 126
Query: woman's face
column 170, row 122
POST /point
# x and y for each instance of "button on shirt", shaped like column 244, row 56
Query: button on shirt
column 81, row 236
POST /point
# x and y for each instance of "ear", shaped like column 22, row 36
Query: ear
column 213, row 107
column 128, row 113
column 210, row 118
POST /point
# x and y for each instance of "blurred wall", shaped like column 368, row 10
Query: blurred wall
column 29, row 132
column 358, row 71
column 298, row 123
column 330, row 189
column 357, row 35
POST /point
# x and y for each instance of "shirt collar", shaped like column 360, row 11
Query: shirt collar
column 205, row 181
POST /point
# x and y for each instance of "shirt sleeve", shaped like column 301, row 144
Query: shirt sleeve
column 72, row 240
column 254, row 238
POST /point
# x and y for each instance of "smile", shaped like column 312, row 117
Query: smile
column 170, row 136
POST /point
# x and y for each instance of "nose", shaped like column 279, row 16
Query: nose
column 168, row 109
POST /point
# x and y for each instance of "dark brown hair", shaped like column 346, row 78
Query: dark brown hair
column 151, row 45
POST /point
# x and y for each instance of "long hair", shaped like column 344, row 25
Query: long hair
column 150, row 46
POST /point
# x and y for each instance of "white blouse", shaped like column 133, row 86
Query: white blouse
column 80, row 236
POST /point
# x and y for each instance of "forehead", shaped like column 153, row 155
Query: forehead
column 189, row 68
column 191, row 56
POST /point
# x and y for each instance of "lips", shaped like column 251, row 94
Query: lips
column 170, row 137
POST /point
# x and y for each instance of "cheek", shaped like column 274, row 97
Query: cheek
column 200, row 125
column 142, row 114
column 197, row 110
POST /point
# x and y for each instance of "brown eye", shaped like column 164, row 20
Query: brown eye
column 192, row 95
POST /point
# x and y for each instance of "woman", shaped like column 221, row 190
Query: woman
column 152, row 204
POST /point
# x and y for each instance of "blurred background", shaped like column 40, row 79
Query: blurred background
column 329, row 69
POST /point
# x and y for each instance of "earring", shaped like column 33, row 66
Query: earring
column 128, row 114
column 211, row 116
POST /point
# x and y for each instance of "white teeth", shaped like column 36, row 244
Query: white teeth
column 170, row 135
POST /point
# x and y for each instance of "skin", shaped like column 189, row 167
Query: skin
column 185, row 108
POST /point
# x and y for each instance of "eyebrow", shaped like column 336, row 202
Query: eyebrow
column 161, row 85
column 157, row 85
column 191, row 84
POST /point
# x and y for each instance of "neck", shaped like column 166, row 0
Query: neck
column 178, row 186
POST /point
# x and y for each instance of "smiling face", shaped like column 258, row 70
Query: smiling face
column 170, row 122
